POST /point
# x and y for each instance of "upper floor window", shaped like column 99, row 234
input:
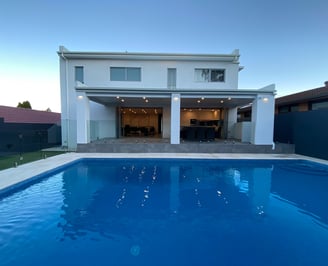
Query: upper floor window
column 79, row 76
column 209, row 75
column 125, row 74
column 171, row 78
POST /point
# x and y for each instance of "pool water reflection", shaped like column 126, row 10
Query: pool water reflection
column 170, row 212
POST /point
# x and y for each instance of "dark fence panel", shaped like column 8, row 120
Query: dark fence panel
column 307, row 130
column 21, row 137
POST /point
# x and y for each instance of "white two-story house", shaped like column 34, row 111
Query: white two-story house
column 117, row 95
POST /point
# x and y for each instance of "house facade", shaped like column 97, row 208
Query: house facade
column 117, row 95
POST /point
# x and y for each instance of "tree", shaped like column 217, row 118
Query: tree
column 25, row 104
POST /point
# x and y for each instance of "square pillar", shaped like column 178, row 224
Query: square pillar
column 232, row 120
column 175, row 118
column 263, row 119
column 82, row 118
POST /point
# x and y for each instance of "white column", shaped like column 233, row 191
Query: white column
column 175, row 118
column 82, row 118
column 232, row 120
column 262, row 119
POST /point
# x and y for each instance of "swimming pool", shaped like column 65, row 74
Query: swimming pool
column 169, row 212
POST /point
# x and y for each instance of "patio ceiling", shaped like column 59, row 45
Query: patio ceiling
column 186, row 101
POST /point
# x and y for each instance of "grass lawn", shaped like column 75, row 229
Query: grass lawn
column 11, row 160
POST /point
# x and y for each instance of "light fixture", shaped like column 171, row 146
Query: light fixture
column 198, row 101
column 146, row 101
column 175, row 98
column 117, row 97
column 229, row 99
column 221, row 101
column 80, row 97
column 203, row 98
column 122, row 100
column 265, row 99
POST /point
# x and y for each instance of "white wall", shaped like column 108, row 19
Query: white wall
column 262, row 120
column 154, row 77
column 242, row 131
column 154, row 74
column 231, row 122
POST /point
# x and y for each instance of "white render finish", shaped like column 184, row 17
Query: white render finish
column 96, row 113
column 262, row 119
column 175, row 118
column 83, row 118
column 232, row 120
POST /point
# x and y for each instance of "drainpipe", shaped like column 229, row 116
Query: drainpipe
column 66, row 87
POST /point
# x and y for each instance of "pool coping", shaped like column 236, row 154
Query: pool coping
column 23, row 173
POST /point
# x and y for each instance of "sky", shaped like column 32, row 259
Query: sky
column 281, row 42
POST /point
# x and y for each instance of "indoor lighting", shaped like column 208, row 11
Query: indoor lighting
column 221, row 101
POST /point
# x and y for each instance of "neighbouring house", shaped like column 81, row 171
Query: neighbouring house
column 23, row 130
column 302, row 119
column 167, row 95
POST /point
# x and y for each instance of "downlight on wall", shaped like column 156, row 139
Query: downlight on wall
column 265, row 99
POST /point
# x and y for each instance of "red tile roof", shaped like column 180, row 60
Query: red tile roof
column 23, row 115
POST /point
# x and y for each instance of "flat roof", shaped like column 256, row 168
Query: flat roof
column 232, row 57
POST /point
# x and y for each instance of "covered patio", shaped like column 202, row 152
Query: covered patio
column 173, row 117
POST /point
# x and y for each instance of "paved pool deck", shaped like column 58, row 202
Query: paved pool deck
column 14, row 176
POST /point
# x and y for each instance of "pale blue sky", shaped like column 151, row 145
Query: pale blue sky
column 283, row 41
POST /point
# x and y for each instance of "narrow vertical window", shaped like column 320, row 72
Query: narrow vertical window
column 79, row 74
column 171, row 78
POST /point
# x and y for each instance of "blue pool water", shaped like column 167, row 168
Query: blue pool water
column 169, row 212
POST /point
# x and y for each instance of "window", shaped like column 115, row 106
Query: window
column 283, row 109
column 171, row 78
column 294, row 108
column 125, row 74
column 209, row 75
column 79, row 74
column 319, row 105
